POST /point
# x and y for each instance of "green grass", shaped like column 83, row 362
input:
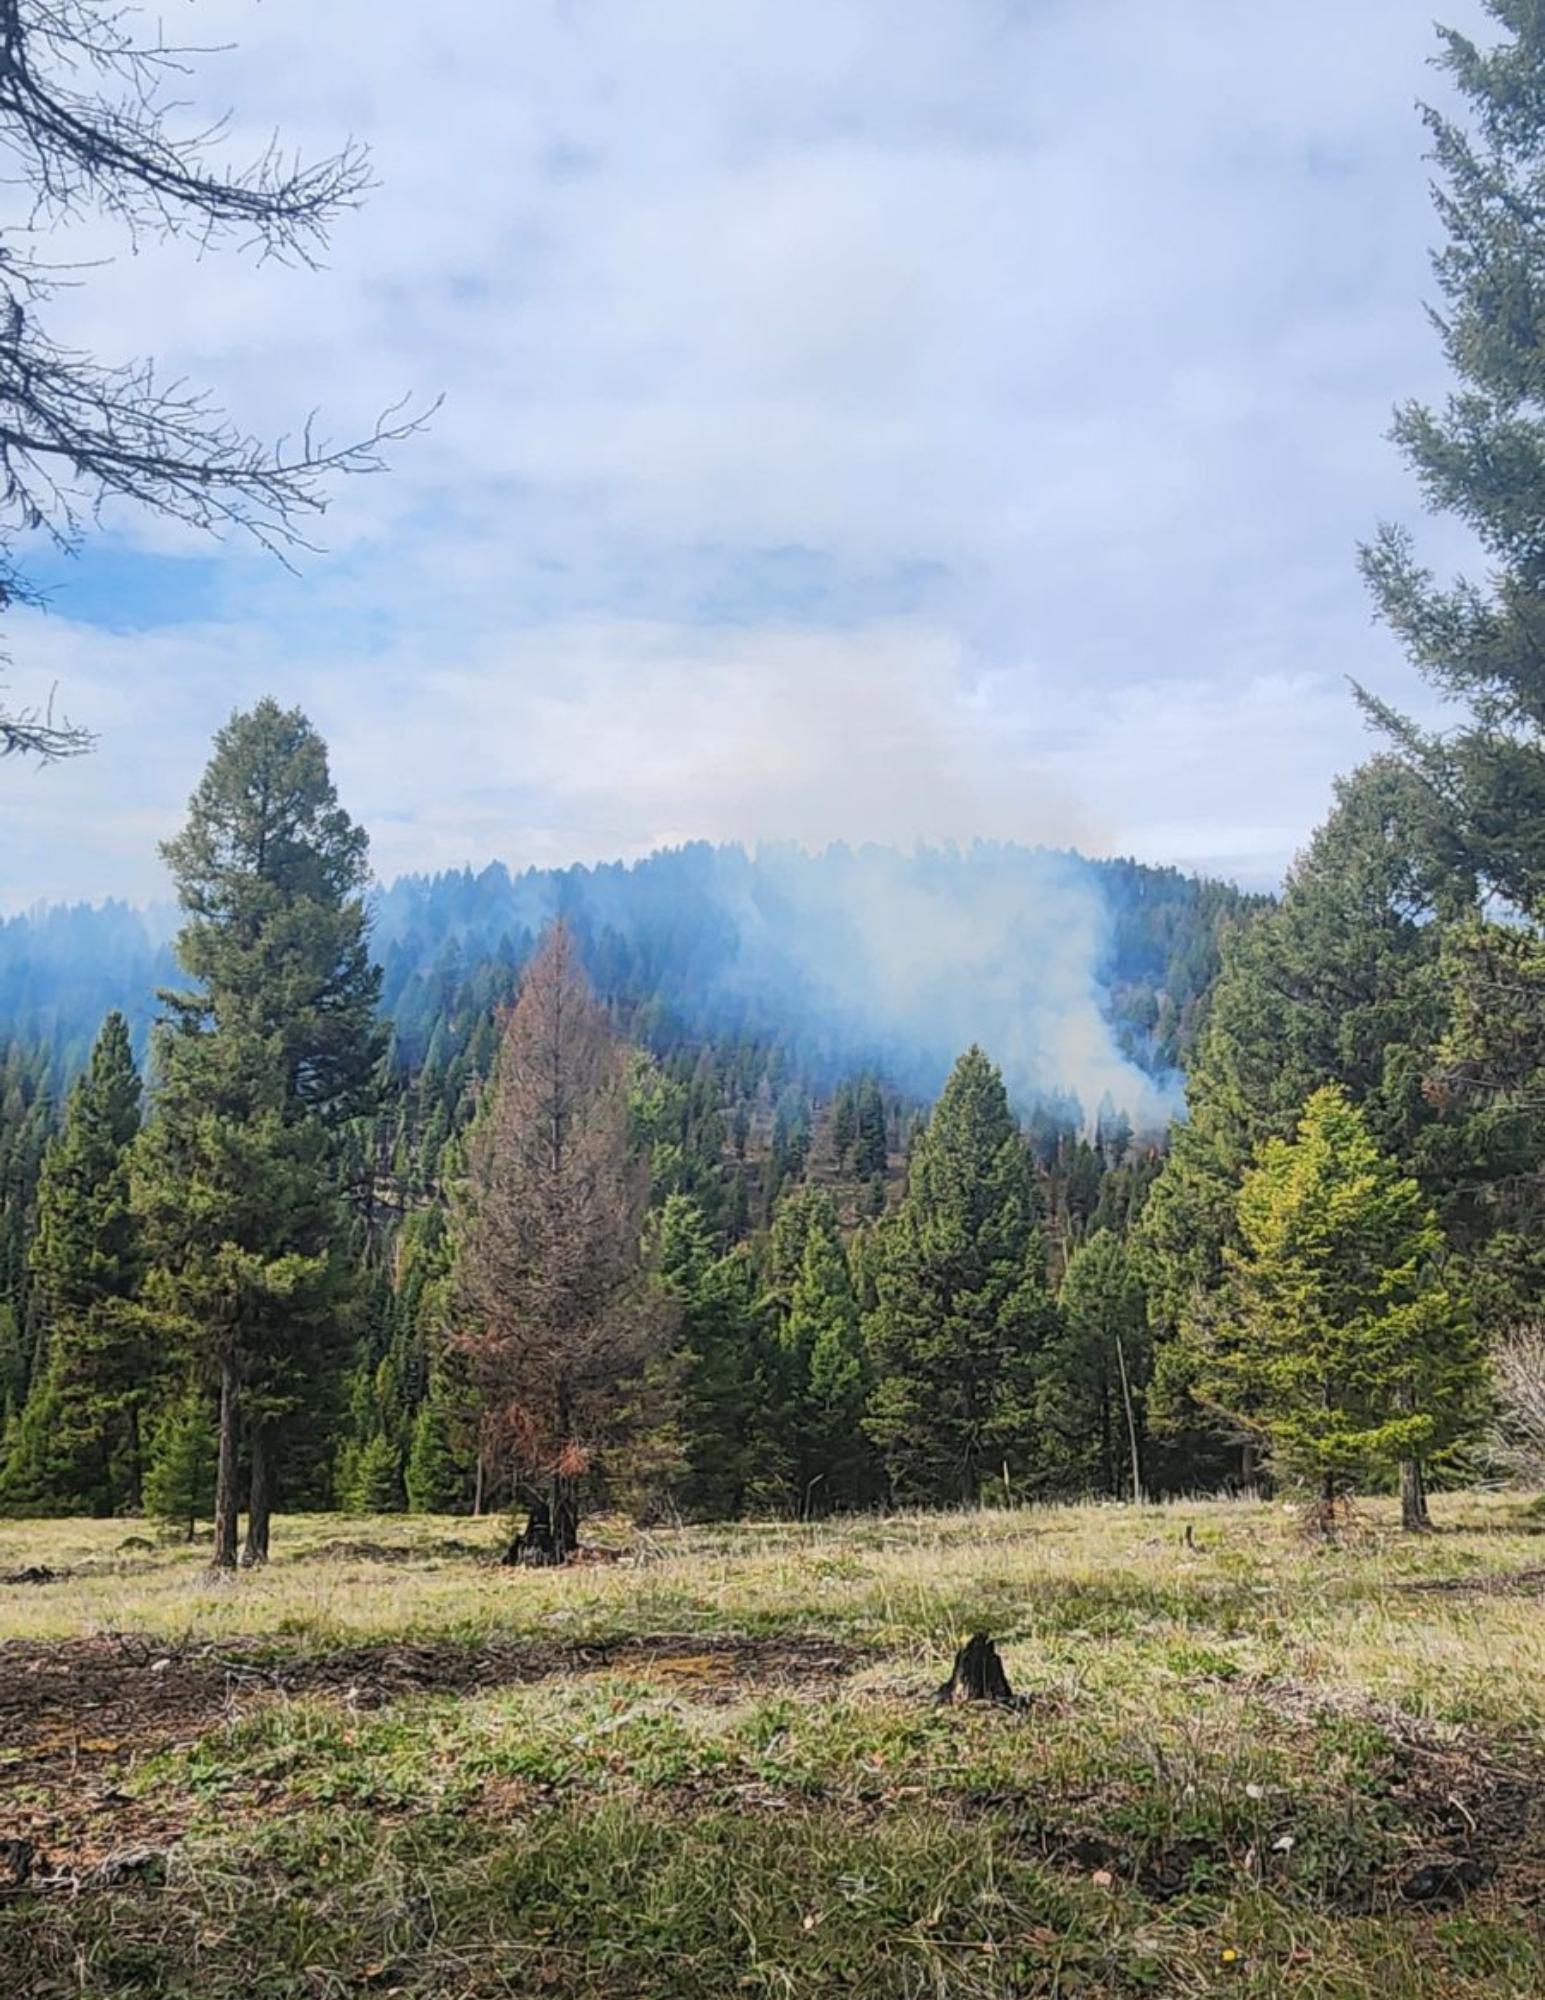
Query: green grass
column 1238, row 1768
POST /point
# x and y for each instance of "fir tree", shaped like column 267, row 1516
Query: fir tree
column 1339, row 1338
column 180, row 1474
column 436, row 1475
column 1093, row 1378
column 962, row 1310
column 85, row 1267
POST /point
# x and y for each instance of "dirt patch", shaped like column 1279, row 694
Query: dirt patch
column 77, row 1715
column 80, row 1702
column 1507, row 1583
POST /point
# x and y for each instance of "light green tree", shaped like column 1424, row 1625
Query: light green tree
column 1338, row 1336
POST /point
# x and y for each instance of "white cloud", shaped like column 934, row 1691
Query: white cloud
column 1058, row 339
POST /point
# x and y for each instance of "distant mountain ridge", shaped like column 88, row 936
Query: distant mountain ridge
column 1081, row 977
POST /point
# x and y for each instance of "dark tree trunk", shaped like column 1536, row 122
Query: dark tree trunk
column 551, row 1533
column 565, row 1516
column 227, row 1503
column 1414, row 1517
column 260, row 1501
column 133, row 1493
column 978, row 1675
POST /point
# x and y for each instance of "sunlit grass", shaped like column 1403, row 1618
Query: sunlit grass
column 1233, row 1747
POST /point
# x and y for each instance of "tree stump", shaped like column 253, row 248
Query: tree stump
column 978, row 1676
column 543, row 1545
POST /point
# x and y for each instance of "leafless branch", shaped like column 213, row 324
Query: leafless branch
column 87, row 125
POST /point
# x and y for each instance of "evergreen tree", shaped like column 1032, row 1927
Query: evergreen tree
column 1338, row 1337
column 1093, row 1379
column 85, row 1264
column 260, row 1066
column 180, row 1474
column 732, row 1388
column 824, row 1364
column 1340, row 983
column 1482, row 458
column 436, row 1474
column 962, row 1310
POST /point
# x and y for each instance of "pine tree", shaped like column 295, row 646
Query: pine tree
column 824, row 1364
column 436, row 1475
column 85, row 1267
column 1091, row 1389
column 1341, row 983
column 1482, row 459
column 180, row 1474
column 1339, row 1338
column 557, row 1318
column 260, row 1067
column 732, row 1388
column 962, row 1310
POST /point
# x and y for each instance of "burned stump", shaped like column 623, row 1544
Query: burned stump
column 547, row 1540
column 978, row 1676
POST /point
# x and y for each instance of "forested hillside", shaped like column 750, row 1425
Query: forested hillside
column 733, row 1182
column 787, row 1018
column 1085, row 976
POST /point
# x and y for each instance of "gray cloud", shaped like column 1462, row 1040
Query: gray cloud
column 858, row 425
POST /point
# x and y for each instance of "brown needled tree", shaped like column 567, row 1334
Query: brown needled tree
column 558, row 1318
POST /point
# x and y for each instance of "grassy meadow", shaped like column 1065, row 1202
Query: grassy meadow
column 384, row 1766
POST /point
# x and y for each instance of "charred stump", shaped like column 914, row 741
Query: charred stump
column 978, row 1676
column 550, row 1537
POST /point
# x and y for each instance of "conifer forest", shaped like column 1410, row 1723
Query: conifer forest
column 819, row 1404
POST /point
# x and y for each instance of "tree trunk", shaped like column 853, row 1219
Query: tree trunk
column 1126, row 1402
column 565, row 1516
column 260, row 1501
column 133, row 1495
column 1414, row 1517
column 227, row 1504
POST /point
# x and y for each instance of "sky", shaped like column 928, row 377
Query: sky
column 860, row 422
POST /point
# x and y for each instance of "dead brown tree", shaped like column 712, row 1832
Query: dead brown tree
column 86, row 128
column 557, row 1317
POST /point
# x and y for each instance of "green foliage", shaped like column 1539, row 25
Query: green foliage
column 961, row 1309
column 99, row 1376
column 1338, row 1336
column 825, row 1365
column 180, row 1473
column 436, row 1473
column 259, row 1067
column 1091, row 1384
column 375, row 1481
column 733, row 1384
column 1482, row 458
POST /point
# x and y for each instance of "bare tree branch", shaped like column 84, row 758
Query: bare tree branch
column 87, row 124
column 38, row 732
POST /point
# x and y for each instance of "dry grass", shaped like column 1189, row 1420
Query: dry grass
column 1243, row 1764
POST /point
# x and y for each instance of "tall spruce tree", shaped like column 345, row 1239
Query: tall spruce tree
column 1339, row 983
column 85, row 1264
column 1482, row 458
column 962, row 1309
column 1092, row 1382
column 260, row 1066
